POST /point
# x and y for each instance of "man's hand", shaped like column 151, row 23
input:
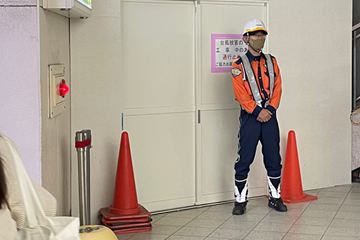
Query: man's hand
column 264, row 115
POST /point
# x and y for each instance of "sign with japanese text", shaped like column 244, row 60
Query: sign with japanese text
column 225, row 49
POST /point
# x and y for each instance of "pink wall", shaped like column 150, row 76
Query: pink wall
column 20, row 82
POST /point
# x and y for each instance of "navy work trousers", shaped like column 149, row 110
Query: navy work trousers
column 251, row 131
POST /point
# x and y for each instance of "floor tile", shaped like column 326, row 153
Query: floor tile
column 297, row 207
column 215, row 215
column 347, row 185
column 319, row 213
column 313, row 192
column 290, row 212
column 247, row 217
column 263, row 201
column 330, row 200
column 125, row 236
column 351, row 201
column 258, row 209
column 349, row 208
column 164, row 229
column 347, row 215
column 334, row 216
column 227, row 207
column 308, row 229
column 326, row 237
column 211, row 238
column 280, row 219
column 324, row 206
column 174, row 237
column 273, row 227
column 203, row 208
column 148, row 236
column 238, row 225
column 259, row 235
column 313, row 221
column 301, row 205
column 229, row 233
column 185, row 214
column 355, row 190
column 338, row 189
column 172, row 221
column 331, row 194
column 353, row 195
column 343, row 232
column 157, row 217
column 209, row 223
column 194, row 231
column 297, row 236
column 345, row 223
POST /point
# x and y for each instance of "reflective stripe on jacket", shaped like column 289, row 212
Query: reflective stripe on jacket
column 242, row 89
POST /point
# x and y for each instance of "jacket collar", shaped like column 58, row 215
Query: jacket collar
column 252, row 57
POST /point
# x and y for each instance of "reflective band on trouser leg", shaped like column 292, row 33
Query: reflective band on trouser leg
column 274, row 186
column 252, row 81
column 241, row 190
column 270, row 67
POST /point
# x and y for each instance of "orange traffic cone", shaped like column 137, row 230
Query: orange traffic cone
column 291, row 186
column 125, row 198
column 125, row 215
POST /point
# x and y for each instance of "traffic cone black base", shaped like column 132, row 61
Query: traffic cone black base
column 111, row 216
column 129, row 226
column 125, row 221
column 133, row 230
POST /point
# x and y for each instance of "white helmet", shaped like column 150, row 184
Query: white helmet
column 254, row 25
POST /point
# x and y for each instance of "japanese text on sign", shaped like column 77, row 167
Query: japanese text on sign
column 226, row 48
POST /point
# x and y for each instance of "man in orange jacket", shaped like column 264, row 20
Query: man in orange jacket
column 257, row 86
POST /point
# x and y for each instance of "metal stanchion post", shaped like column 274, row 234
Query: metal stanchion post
column 83, row 145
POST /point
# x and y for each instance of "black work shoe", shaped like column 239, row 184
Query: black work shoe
column 277, row 204
column 239, row 208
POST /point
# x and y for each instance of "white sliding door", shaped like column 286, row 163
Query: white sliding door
column 180, row 160
column 158, row 46
column 219, row 112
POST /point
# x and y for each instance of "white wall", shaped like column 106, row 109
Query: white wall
column 55, row 134
column 19, row 81
column 312, row 42
column 97, row 97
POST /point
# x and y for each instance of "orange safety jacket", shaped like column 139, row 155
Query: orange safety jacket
column 242, row 90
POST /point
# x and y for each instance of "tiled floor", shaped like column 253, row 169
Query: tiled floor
column 334, row 216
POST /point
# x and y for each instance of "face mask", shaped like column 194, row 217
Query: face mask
column 258, row 44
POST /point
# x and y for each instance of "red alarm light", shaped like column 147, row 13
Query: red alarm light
column 63, row 88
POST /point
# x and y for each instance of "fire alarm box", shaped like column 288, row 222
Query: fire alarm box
column 68, row 8
column 58, row 89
